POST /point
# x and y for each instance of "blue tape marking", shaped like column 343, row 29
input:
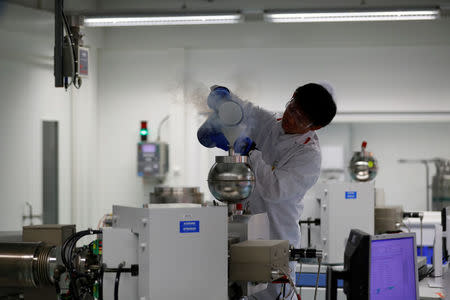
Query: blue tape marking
column 309, row 280
column 351, row 195
column 189, row 226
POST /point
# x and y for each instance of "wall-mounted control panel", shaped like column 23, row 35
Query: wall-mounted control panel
column 153, row 160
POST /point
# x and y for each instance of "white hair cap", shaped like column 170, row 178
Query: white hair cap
column 328, row 87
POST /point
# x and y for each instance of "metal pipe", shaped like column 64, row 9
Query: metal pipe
column 319, row 260
column 427, row 174
column 25, row 264
column 421, row 235
column 160, row 125
column 427, row 171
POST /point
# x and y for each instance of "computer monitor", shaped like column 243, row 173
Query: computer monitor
column 380, row 267
column 393, row 267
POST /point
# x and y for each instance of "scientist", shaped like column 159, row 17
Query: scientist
column 284, row 154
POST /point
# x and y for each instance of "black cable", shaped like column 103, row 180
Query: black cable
column 429, row 272
column 64, row 256
column 67, row 257
column 77, row 237
column 116, row 282
column 69, row 34
column 100, row 284
column 279, row 296
column 73, row 289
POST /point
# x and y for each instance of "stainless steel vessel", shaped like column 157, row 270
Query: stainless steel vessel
column 388, row 219
column 166, row 194
column 231, row 178
column 441, row 185
column 363, row 166
column 25, row 264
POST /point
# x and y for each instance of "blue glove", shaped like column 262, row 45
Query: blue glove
column 210, row 137
column 244, row 145
column 217, row 96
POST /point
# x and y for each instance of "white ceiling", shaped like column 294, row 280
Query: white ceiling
column 158, row 6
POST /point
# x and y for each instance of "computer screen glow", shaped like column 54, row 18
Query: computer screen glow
column 392, row 269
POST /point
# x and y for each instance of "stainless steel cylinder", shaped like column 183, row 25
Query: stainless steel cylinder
column 231, row 179
column 25, row 264
column 388, row 219
column 363, row 166
column 441, row 185
column 167, row 194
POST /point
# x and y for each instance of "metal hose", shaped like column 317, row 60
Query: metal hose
column 319, row 260
column 25, row 264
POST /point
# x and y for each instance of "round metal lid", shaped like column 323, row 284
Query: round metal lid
column 176, row 190
column 232, row 159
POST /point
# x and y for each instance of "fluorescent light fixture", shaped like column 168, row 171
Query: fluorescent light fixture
column 161, row 20
column 349, row 16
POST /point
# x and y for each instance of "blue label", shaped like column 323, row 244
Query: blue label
column 189, row 226
column 350, row 195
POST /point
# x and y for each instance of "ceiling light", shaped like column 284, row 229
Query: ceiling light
column 349, row 16
column 161, row 20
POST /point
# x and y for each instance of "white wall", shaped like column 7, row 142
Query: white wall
column 85, row 139
column 373, row 67
column 28, row 98
column 404, row 184
column 133, row 87
column 147, row 73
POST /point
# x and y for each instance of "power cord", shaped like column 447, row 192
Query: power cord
column 319, row 260
column 75, row 77
column 293, row 289
column 300, row 276
column 67, row 257
column 116, row 282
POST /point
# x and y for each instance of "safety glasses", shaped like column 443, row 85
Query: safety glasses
column 297, row 116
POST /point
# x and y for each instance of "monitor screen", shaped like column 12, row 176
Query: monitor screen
column 148, row 148
column 393, row 268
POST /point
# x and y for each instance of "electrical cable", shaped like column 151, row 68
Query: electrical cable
column 66, row 244
column 319, row 260
column 67, row 258
column 74, row 241
column 421, row 235
column 300, row 276
column 69, row 36
column 117, row 280
column 407, row 227
column 74, row 56
column 429, row 272
column 100, row 285
column 102, row 221
column 293, row 289
column 73, row 289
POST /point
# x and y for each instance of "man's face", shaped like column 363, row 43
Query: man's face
column 295, row 121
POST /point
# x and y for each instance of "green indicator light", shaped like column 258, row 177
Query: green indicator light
column 370, row 164
column 144, row 132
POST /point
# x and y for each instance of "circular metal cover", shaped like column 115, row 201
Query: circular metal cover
column 363, row 166
column 167, row 194
column 176, row 190
column 231, row 180
column 233, row 159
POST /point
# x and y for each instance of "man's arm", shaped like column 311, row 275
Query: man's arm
column 256, row 119
column 292, row 179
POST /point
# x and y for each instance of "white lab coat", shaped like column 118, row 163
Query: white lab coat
column 286, row 166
